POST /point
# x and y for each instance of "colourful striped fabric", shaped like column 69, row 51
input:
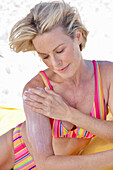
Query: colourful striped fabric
column 23, row 159
column 98, row 110
column 46, row 80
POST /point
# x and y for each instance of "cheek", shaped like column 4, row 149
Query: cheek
column 69, row 57
column 70, row 54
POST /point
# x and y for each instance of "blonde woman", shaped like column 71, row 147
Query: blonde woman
column 65, row 105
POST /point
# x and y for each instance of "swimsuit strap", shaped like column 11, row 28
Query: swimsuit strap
column 98, row 110
column 58, row 130
column 99, row 101
column 45, row 79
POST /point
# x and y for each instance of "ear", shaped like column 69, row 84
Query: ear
column 78, row 36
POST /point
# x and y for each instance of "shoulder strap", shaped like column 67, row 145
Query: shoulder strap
column 99, row 96
column 45, row 79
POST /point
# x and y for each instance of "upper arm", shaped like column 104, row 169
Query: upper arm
column 38, row 128
column 39, row 135
column 34, row 82
column 6, row 151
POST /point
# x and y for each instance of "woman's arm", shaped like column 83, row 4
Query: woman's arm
column 6, row 151
column 52, row 105
column 98, row 127
column 39, row 132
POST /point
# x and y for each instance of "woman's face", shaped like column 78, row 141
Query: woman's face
column 59, row 52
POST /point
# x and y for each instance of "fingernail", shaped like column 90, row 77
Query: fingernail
column 39, row 88
column 24, row 97
column 25, row 92
column 46, row 88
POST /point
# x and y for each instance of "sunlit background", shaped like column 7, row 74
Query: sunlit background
column 17, row 69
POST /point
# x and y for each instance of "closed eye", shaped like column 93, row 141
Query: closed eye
column 45, row 57
column 60, row 51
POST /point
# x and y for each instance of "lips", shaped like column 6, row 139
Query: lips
column 63, row 69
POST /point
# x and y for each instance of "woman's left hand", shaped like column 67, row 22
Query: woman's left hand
column 47, row 102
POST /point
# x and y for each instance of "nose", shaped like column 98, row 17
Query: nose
column 56, row 61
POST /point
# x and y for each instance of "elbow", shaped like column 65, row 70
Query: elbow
column 110, row 140
column 41, row 166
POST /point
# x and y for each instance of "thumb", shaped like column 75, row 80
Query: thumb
column 49, row 91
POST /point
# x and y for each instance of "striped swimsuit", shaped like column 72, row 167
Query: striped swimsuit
column 98, row 110
column 23, row 159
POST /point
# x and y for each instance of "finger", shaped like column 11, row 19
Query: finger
column 41, row 111
column 34, row 104
column 38, row 91
column 34, row 97
column 37, row 110
column 50, row 91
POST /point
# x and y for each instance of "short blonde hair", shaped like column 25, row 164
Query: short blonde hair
column 42, row 18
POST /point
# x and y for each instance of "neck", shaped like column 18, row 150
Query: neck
column 81, row 74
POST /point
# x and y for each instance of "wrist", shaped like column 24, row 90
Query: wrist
column 74, row 116
column 71, row 115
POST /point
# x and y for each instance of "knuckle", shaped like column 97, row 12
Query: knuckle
column 33, row 109
column 35, row 104
column 48, row 101
column 50, row 97
column 41, row 92
column 36, row 97
column 49, row 113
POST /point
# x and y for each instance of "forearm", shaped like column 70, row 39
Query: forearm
column 44, row 156
column 87, row 162
column 38, row 130
column 98, row 127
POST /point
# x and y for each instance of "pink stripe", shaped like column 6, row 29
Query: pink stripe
column 55, row 128
column 96, row 91
column 45, row 76
column 20, row 146
column 23, row 152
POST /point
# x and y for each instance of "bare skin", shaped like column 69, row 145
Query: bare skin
column 67, row 101
column 73, row 146
column 58, row 146
column 6, row 150
column 70, row 105
column 68, row 146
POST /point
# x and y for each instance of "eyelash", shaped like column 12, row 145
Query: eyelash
column 45, row 58
column 60, row 51
column 56, row 52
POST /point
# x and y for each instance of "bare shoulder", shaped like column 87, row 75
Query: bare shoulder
column 108, row 65
column 35, row 82
column 106, row 70
column 7, row 151
column 106, row 73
